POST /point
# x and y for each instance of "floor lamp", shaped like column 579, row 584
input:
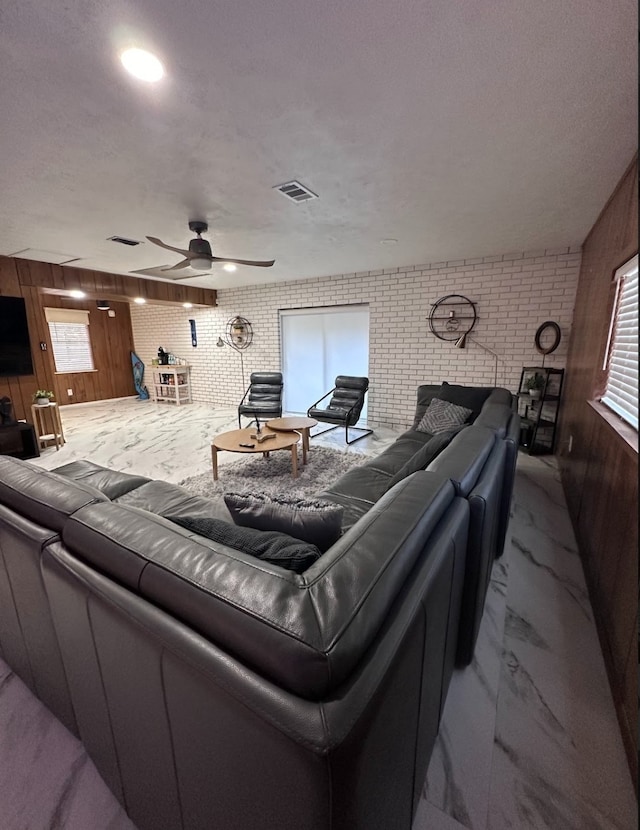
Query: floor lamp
column 461, row 343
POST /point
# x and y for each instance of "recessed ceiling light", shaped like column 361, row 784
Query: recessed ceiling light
column 187, row 305
column 139, row 300
column 229, row 266
column 142, row 64
column 388, row 241
column 77, row 295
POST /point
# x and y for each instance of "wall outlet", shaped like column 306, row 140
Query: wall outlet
column 69, row 392
column 570, row 445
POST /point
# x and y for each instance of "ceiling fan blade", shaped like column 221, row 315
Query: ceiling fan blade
column 261, row 264
column 184, row 264
column 161, row 244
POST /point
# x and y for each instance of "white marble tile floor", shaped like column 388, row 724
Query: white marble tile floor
column 529, row 737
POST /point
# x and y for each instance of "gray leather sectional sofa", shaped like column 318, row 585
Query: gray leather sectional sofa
column 213, row 689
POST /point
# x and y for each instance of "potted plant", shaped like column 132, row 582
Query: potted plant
column 535, row 384
column 42, row 397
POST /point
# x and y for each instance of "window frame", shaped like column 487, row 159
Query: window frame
column 57, row 318
column 630, row 419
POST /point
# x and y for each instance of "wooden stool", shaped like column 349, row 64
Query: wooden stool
column 47, row 423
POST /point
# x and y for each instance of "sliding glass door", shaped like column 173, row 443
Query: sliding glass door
column 317, row 345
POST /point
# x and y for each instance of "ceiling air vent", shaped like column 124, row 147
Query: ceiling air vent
column 296, row 192
column 123, row 240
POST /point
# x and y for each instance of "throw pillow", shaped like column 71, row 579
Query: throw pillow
column 421, row 459
column 473, row 397
column 442, row 416
column 277, row 548
column 318, row 522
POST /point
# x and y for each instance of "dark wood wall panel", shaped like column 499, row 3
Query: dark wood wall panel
column 111, row 345
column 111, row 337
column 600, row 473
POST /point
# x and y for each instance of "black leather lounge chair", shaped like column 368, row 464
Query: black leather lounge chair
column 263, row 398
column 344, row 407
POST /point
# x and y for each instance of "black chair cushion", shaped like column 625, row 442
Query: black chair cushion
column 264, row 395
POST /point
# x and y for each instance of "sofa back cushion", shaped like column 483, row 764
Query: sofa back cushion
column 112, row 483
column 463, row 459
column 471, row 397
column 495, row 416
column 304, row 631
column 44, row 497
column 425, row 395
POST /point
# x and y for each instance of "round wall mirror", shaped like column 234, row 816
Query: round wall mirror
column 548, row 337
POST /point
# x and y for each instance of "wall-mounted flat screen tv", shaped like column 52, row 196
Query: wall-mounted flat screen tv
column 15, row 348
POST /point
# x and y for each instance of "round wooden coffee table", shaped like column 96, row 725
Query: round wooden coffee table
column 295, row 424
column 230, row 442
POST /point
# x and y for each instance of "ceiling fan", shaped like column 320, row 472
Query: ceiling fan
column 199, row 254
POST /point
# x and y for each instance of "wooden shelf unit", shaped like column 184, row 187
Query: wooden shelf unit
column 171, row 384
column 539, row 416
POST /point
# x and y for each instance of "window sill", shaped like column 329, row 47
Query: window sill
column 625, row 431
column 76, row 372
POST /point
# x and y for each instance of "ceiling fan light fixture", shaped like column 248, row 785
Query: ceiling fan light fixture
column 229, row 266
column 200, row 264
column 142, row 65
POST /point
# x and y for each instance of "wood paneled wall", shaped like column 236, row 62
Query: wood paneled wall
column 600, row 473
column 111, row 345
column 111, row 337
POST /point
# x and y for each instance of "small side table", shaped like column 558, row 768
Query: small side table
column 47, row 423
column 295, row 424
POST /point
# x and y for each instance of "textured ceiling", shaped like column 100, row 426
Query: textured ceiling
column 458, row 128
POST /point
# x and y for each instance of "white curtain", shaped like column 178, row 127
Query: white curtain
column 317, row 345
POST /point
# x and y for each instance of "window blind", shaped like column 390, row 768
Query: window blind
column 71, row 347
column 67, row 315
column 621, row 393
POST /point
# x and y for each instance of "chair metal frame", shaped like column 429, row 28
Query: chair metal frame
column 363, row 430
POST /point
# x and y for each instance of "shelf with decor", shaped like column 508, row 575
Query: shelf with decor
column 171, row 384
column 539, row 396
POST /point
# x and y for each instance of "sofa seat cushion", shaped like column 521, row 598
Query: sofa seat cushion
column 269, row 545
column 174, row 502
column 365, row 483
column 395, row 456
column 110, row 482
column 318, row 521
column 421, row 459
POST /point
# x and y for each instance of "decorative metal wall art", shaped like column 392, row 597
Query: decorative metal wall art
column 452, row 317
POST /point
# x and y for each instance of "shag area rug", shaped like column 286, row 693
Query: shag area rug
column 272, row 476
